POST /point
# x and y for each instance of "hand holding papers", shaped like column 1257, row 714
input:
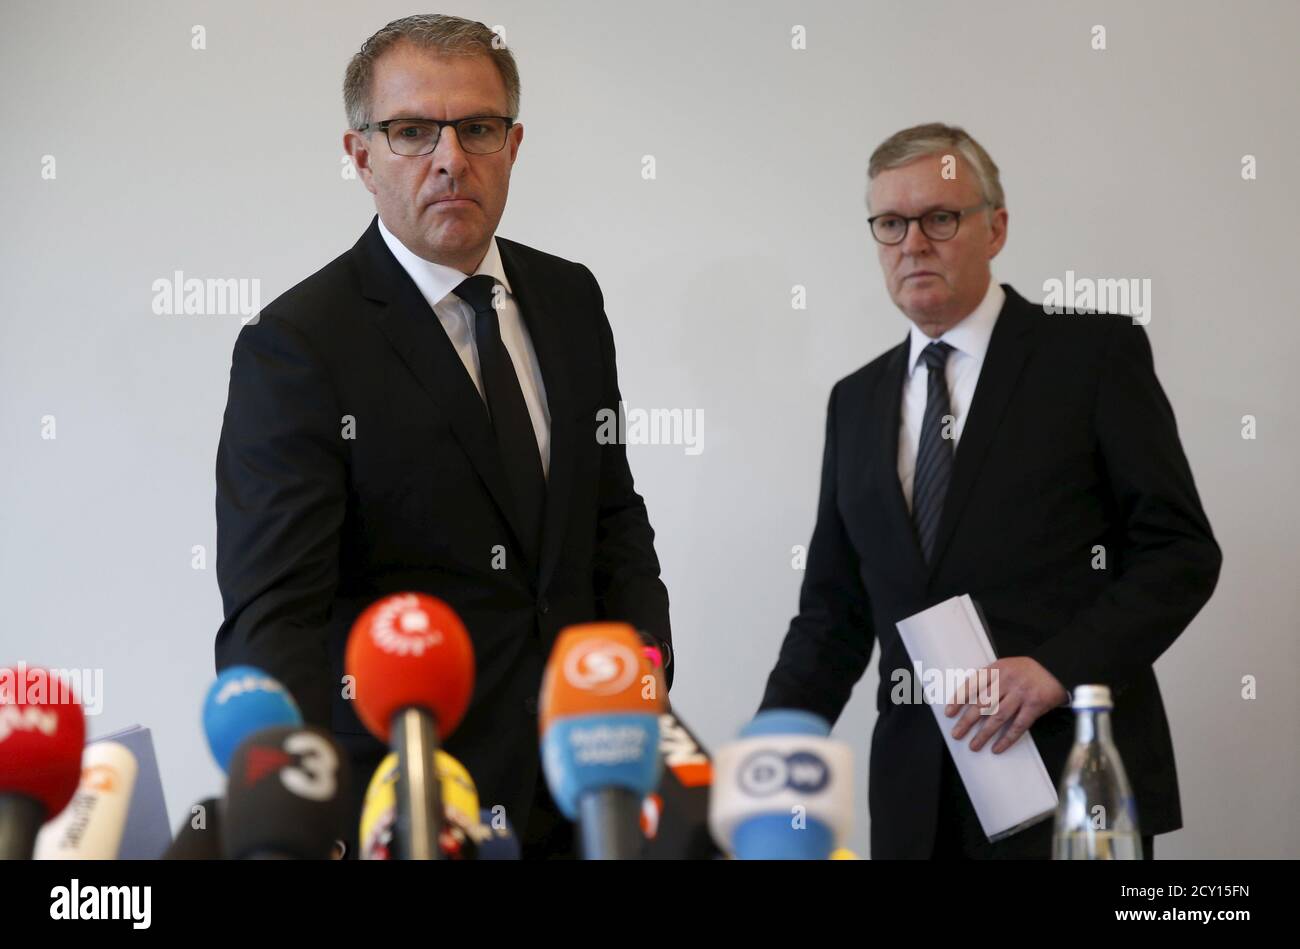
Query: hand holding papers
column 1011, row 790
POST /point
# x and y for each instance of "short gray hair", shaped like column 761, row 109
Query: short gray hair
column 936, row 138
column 450, row 35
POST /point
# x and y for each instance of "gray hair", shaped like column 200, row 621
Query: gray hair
column 936, row 138
column 450, row 35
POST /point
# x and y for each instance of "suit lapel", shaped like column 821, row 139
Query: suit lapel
column 1008, row 347
column 422, row 344
column 527, row 286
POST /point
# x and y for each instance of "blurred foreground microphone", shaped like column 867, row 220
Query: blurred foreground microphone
column 90, row 828
column 599, row 718
column 244, row 700
column 783, row 791
column 241, row 702
column 413, row 665
column 287, row 797
column 42, row 732
column 459, row 833
column 677, row 814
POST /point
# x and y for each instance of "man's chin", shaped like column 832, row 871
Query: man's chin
column 452, row 242
column 923, row 304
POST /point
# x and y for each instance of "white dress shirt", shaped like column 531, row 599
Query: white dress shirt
column 970, row 341
column 436, row 283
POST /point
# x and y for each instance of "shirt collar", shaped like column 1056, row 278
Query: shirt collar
column 971, row 335
column 436, row 281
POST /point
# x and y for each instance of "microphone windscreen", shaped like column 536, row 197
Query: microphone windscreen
column 244, row 700
column 786, row 721
column 90, row 828
column 783, row 790
column 460, row 807
column 287, row 795
column 42, row 732
column 598, row 668
column 410, row 650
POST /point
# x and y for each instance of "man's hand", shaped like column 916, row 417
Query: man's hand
column 1016, row 690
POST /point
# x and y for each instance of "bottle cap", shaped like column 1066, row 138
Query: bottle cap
column 1091, row 696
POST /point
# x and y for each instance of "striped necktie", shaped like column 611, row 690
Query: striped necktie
column 934, row 455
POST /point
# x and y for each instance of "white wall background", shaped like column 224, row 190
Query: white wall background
column 226, row 163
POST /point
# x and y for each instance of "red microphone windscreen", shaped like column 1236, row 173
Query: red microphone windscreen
column 410, row 649
column 42, row 733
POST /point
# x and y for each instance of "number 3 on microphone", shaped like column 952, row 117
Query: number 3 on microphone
column 313, row 777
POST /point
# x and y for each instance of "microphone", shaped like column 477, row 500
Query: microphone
column 241, row 701
column 460, row 809
column 677, row 815
column 202, row 842
column 413, row 665
column 379, row 814
column 90, row 828
column 599, row 718
column 42, row 731
column 287, row 797
column 784, row 790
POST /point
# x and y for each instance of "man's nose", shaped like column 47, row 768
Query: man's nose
column 448, row 156
column 914, row 241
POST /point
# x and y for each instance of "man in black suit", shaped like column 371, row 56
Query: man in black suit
column 421, row 414
column 1029, row 460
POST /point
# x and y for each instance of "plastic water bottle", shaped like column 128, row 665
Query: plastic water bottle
column 1097, row 817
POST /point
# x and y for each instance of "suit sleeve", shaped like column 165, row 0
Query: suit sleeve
column 281, row 499
column 829, row 643
column 1168, row 562
column 626, row 575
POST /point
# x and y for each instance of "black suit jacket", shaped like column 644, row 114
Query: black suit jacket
column 312, row 527
column 1070, row 443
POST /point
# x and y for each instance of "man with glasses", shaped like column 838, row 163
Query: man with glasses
column 1028, row 460
column 421, row 415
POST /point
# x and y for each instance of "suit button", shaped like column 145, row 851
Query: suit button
column 543, row 607
column 530, row 705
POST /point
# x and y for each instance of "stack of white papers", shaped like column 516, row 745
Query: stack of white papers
column 1010, row 790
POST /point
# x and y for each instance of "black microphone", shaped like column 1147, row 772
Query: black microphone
column 287, row 796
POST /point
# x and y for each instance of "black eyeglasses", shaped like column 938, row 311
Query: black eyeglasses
column 939, row 224
column 476, row 134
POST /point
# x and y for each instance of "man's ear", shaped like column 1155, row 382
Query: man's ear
column 516, row 138
column 354, row 143
column 998, row 227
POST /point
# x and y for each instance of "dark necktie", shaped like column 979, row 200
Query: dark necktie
column 516, row 440
column 934, row 454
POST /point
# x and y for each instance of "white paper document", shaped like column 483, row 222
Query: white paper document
column 1011, row 790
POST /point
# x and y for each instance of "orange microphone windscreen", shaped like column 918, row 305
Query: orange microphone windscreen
column 599, row 669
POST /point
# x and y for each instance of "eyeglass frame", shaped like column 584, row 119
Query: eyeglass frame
column 960, row 212
column 441, row 124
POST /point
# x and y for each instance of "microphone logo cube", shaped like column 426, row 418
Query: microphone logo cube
column 601, row 667
column 768, row 772
column 403, row 628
